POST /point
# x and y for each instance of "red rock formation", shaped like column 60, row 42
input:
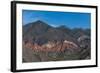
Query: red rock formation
column 51, row 47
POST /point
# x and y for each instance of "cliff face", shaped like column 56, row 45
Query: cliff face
column 42, row 42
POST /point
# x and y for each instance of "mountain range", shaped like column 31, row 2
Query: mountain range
column 41, row 33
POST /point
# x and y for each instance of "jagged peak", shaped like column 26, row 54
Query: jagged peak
column 40, row 21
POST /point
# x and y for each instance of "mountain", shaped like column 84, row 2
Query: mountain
column 40, row 31
column 35, row 28
column 40, row 35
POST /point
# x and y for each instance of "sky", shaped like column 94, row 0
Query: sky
column 55, row 19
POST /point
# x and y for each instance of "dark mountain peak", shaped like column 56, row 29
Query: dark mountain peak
column 36, row 28
column 40, row 25
column 64, row 29
column 37, row 25
column 40, row 22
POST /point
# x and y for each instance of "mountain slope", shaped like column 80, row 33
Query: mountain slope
column 41, row 30
column 42, row 42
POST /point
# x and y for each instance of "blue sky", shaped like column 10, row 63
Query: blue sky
column 69, row 19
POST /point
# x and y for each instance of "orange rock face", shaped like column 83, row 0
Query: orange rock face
column 52, row 47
